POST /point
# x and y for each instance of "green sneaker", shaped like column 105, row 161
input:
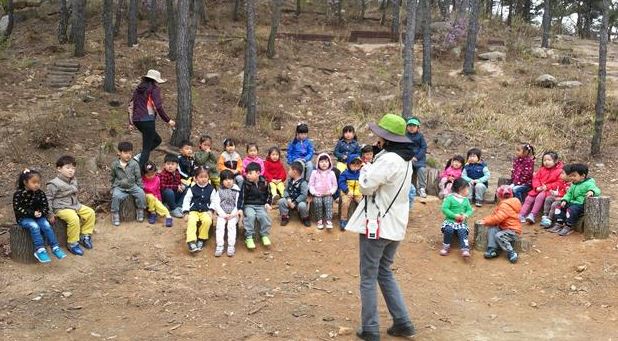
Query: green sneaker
column 266, row 241
column 250, row 243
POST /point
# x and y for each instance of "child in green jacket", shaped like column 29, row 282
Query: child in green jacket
column 456, row 209
column 572, row 205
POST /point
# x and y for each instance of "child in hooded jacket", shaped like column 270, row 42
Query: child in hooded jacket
column 552, row 202
column 252, row 156
column 231, row 160
column 322, row 185
column 452, row 172
column 503, row 225
column 522, row 171
column 347, row 147
column 274, row 172
column 546, row 179
column 349, row 188
column 301, row 149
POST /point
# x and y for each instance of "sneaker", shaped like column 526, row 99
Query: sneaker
column 556, row 228
column 284, row 220
column 530, row 219
column 169, row 222
column 522, row 219
column 57, row 251
column 512, row 256
column 545, row 222
column 329, row 225
column 566, row 230
column 86, row 241
column 139, row 216
column 177, row 213
column 465, row 253
column 343, row 224
column 152, row 218
column 219, row 251
column 491, row 253
column 250, row 243
column 306, row 222
column 231, row 251
column 478, row 204
column 401, row 330
column 200, row 244
column 75, row 249
column 421, row 193
column 320, row 225
column 42, row 256
column 445, row 249
column 367, row 336
column 192, row 247
column 116, row 219
column 266, row 241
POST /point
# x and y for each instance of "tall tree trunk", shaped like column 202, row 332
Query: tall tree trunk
column 10, row 13
column 526, row 9
column 427, row 43
column 489, row 8
column 408, row 60
column 339, row 12
column 153, row 17
column 298, row 7
column 183, row 75
column 383, row 8
column 274, row 26
column 468, row 67
column 201, row 9
column 119, row 15
column 420, row 15
column 236, row 10
column 464, row 5
column 443, row 5
column 363, row 4
column 110, row 65
column 79, row 21
column 172, row 30
column 195, row 21
column 546, row 24
column 251, row 66
column 63, row 22
column 132, row 31
column 599, row 117
column 395, row 23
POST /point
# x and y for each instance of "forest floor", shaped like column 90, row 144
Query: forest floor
column 139, row 282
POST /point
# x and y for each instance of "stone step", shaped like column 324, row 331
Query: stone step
column 60, row 74
column 63, row 68
column 59, row 85
column 67, row 63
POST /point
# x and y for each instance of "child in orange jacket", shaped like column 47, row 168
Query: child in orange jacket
column 504, row 226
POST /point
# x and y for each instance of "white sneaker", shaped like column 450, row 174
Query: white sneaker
column 421, row 193
column 320, row 225
column 329, row 225
column 219, row 250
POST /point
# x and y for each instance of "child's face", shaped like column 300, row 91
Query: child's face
column 186, row 151
column 354, row 166
column 348, row 135
column 576, row 177
column 519, row 152
column 34, row 183
column 68, row 171
column 171, row 166
column 151, row 174
column 412, row 129
column 463, row 192
column 125, row 156
column 206, row 145
column 293, row 174
column 456, row 164
column 274, row 156
column 230, row 148
column 302, row 136
column 252, row 152
column 368, row 156
column 202, row 179
column 473, row 158
column 228, row 183
column 323, row 164
column 564, row 177
column 253, row 176
column 548, row 161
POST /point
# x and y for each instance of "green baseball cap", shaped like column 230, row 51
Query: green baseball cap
column 391, row 127
column 414, row 121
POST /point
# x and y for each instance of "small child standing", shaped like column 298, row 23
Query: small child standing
column 572, row 204
column 552, row 202
column 231, row 160
column 252, row 156
column 31, row 211
column 186, row 164
column 349, row 189
column 301, row 149
column 127, row 181
column 367, row 154
column 172, row 189
column 522, row 171
column 295, row 196
column 205, row 157
column 347, row 147
column 546, row 179
column 477, row 175
column 62, row 196
column 418, row 146
column 323, row 185
column 451, row 172
column 256, row 201
column 503, row 225
column 199, row 203
column 228, row 213
column 152, row 189
column 275, row 173
column 456, row 209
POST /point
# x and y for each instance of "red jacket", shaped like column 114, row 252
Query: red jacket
column 274, row 170
column 563, row 187
column 549, row 177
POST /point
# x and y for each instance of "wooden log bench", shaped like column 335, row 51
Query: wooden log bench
column 433, row 181
column 128, row 210
column 22, row 249
column 479, row 239
column 594, row 224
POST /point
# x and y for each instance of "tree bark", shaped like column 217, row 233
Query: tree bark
column 153, row 17
column 132, row 30
column 10, row 13
column 546, row 24
column 195, row 21
column 383, row 8
column 236, row 10
column 468, row 67
column 183, row 75
column 119, row 15
column 298, row 7
column 363, row 10
column 489, row 8
column 63, row 22
column 339, row 12
column 395, row 23
column 443, row 5
column 79, row 21
column 408, row 60
column 427, row 43
column 201, row 9
column 596, row 218
column 251, row 66
column 110, row 64
column 599, row 117
column 171, row 30
column 274, row 26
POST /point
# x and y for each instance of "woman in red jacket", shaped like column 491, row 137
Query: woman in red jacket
column 274, row 172
column 545, row 180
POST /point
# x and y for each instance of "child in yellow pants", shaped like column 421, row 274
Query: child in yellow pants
column 198, row 204
column 349, row 189
column 152, row 188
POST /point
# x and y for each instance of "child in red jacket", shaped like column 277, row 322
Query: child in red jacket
column 275, row 173
column 546, row 179
column 553, row 200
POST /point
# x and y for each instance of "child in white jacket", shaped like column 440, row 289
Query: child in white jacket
column 322, row 185
column 228, row 213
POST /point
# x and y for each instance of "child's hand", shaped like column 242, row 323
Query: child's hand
column 51, row 218
column 589, row 194
column 460, row 218
column 181, row 188
column 414, row 159
column 239, row 214
column 451, row 179
column 563, row 204
column 268, row 207
column 37, row 214
column 186, row 217
column 554, row 193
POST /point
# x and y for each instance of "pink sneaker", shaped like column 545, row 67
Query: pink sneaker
column 445, row 248
column 465, row 253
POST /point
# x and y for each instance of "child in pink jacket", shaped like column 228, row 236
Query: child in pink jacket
column 451, row 172
column 152, row 188
column 252, row 157
column 322, row 185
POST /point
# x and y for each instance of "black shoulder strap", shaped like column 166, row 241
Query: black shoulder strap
column 405, row 178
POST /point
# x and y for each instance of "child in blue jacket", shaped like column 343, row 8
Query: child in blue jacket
column 347, row 148
column 419, row 148
column 301, row 149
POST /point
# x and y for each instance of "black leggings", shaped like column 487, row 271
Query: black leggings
column 150, row 140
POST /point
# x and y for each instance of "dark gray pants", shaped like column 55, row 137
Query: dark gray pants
column 502, row 238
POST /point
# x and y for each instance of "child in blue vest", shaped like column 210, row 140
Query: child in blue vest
column 347, row 148
column 477, row 175
column 200, row 201
column 301, row 149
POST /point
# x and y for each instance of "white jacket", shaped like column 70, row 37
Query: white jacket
column 380, row 181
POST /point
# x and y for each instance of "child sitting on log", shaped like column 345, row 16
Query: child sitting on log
column 152, row 189
column 186, row 163
column 198, row 205
column 522, row 171
column 127, row 181
column 555, row 197
column 206, row 157
column 503, row 225
column 572, row 204
column 451, row 172
column 477, row 175
column 456, row 209
column 31, row 212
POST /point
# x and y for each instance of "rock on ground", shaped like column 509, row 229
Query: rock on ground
column 4, row 24
column 569, row 84
column 493, row 56
column 539, row 52
column 546, row 81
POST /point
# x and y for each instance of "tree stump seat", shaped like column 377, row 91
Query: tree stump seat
column 22, row 249
column 479, row 239
column 594, row 223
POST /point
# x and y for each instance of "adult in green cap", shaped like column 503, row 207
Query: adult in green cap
column 381, row 219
